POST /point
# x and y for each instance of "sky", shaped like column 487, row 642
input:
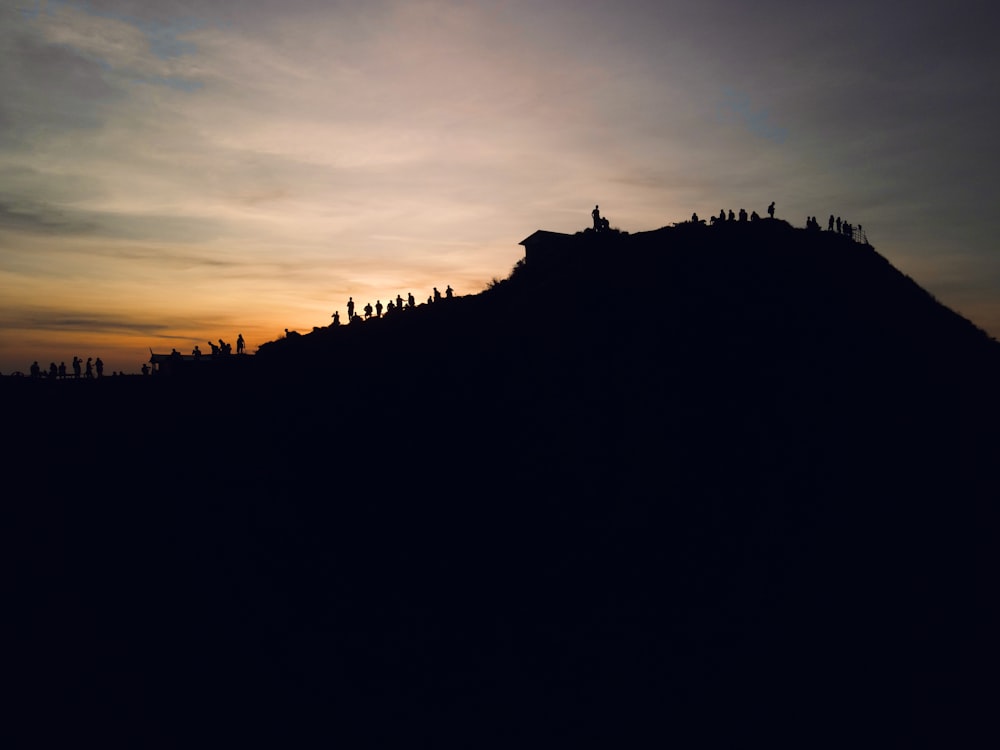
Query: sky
column 173, row 172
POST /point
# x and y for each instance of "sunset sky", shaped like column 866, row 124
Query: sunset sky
column 175, row 171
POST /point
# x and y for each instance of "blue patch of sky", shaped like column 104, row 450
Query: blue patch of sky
column 30, row 10
column 737, row 105
column 162, row 37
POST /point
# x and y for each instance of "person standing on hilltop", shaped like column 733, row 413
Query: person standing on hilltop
column 596, row 215
column 350, row 309
column 76, row 367
column 770, row 210
column 99, row 364
column 241, row 345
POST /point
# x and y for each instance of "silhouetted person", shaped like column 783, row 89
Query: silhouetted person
column 437, row 295
column 197, row 352
column 754, row 216
column 399, row 302
column 350, row 308
column 62, row 370
column 89, row 371
column 241, row 345
column 410, row 301
column 732, row 216
column 368, row 310
column 378, row 308
column 36, row 371
column 694, row 218
column 390, row 307
column 145, row 369
column 596, row 215
column 829, row 226
column 53, row 371
column 76, row 366
column 449, row 292
column 722, row 215
column 99, row 365
column 770, row 210
column 336, row 317
column 213, row 348
column 838, row 225
column 743, row 214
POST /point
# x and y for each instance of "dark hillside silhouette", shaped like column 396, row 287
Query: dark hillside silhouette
column 706, row 482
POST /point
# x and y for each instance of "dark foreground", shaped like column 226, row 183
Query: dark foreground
column 731, row 510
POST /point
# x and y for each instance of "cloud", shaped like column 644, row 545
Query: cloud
column 89, row 322
column 36, row 217
column 125, row 46
column 39, row 218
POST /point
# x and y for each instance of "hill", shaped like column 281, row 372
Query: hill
column 734, row 480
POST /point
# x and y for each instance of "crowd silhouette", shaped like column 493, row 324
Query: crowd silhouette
column 834, row 224
column 389, row 309
column 223, row 348
column 94, row 369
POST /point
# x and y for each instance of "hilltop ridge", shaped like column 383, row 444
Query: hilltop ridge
column 765, row 288
column 718, row 481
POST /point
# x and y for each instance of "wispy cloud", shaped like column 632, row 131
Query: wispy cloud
column 55, row 320
column 44, row 218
